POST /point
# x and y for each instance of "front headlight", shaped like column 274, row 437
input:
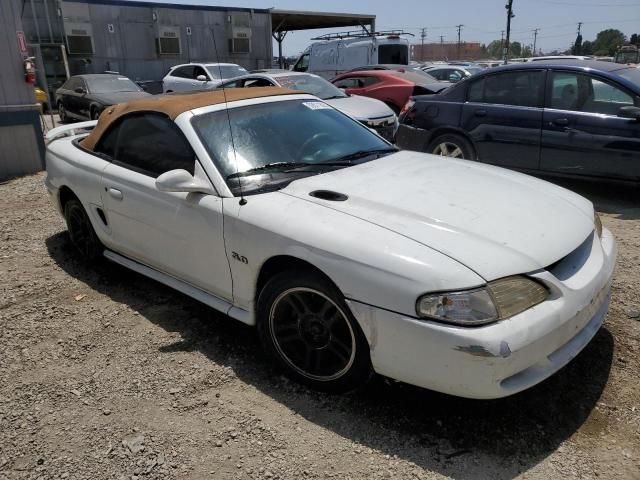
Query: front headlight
column 500, row 299
column 597, row 223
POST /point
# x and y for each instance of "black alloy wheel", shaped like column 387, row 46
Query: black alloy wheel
column 307, row 328
column 81, row 232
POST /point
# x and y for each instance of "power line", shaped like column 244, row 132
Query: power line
column 535, row 38
column 459, row 27
column 509, row 7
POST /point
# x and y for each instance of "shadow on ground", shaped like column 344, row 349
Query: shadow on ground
column 619, row 199
column 464, row 439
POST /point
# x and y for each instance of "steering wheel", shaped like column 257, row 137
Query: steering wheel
column 302, row 151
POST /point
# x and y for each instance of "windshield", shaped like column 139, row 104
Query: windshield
column 632, row 74
column 226, row 71
column 111, row 83
column 310, row 84
column 394, row 53
column 274, row 140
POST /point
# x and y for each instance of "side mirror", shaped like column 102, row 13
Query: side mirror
column 202, row 78
column 629, row 112
column 79, row 90
column 181, row 181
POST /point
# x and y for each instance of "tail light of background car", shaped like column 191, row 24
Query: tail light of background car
column 407, row 107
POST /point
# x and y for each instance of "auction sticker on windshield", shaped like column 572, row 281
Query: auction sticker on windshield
column 316, row 105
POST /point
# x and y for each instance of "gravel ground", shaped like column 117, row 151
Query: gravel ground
column 106, row 374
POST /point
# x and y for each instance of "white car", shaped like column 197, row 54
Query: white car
column 371, row 112
column 349, row 256
column 199, row 76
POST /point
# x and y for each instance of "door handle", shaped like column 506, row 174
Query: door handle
column 560, row 122
column 480, row 113
column 115, row 193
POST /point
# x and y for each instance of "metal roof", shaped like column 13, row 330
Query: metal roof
column 289, row 20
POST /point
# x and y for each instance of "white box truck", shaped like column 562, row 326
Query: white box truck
column 337, row 53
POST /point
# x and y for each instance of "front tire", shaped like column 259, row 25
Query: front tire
column 307, row 329
column 452, row 145
column 81, row 232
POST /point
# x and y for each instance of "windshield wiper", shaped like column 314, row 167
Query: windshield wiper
column 269, row 166
column 362, row 154
column 334, row 97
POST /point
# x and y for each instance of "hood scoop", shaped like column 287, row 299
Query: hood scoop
column 329, row 195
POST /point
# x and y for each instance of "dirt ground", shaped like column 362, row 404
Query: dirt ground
column 105, row 374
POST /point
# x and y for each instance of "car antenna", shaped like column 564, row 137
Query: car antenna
column 243, row 201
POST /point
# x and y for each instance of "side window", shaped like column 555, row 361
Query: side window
column 152, row 144
column 476, row 91
column 183, row 72
column 303, row 64
column 257, row 82
column 521, row 89
column 197, row 70
column 353, row 82
column 73, row 83
column 439, row 74
column 107, row 143
column 583, row 93
column 367, row 81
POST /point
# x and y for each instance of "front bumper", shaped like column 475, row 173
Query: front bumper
column 505, row 357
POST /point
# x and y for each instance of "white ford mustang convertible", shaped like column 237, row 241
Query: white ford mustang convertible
column 349, row 256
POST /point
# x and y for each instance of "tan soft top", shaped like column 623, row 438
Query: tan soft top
column 175, row 104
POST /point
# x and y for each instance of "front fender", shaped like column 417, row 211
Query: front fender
column 368, row 263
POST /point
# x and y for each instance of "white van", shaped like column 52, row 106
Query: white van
column 338, row 53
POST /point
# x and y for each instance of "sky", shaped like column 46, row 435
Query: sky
column 557, row 20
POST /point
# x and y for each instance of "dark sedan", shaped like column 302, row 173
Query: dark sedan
column 83, row 97
column 561, row 117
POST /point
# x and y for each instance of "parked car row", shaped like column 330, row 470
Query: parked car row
column 563, row 117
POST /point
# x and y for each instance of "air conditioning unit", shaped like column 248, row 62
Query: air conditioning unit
column 168, row 41
column 79, row 38
column 240, row 32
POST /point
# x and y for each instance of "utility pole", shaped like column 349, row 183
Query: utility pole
column 459, row 27
column 578, row 45
column 509, row 7
column 535, row 38
column 423, row 35
column 442, row 46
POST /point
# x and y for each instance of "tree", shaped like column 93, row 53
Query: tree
column 608, row 41
column 634, row 39
column 577, row 46
column 494, row 49
column 515, row 49
column 587, row 48
column 526, row 51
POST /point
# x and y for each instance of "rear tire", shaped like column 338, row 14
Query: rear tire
column 307, row 329
column 452, row 145
column 83, row 236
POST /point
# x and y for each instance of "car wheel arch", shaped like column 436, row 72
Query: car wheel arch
column 282, row 263
column 64, row 195
column 453, row 131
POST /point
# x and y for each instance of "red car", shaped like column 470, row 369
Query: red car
column 392, row 87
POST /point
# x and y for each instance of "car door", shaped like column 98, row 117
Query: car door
column 83, row 101
column 582, row 133
column 180, row 234
column 181, row 79
column 70, row 100
column 503, row 116
column 202, row 84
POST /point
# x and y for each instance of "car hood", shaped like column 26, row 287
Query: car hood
column 361, row 108
column 112, row 98
column 494, row 221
